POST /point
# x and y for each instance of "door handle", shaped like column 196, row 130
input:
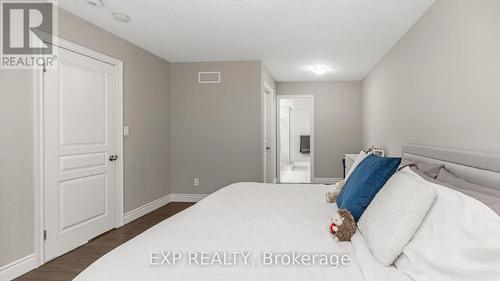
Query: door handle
column 268, row 148
column 113, row 158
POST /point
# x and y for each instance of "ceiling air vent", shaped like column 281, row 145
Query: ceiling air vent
column 208, row 77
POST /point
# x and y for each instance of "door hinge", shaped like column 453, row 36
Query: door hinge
column 45, row 235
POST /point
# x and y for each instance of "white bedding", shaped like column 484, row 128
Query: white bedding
column 459, row 240
column 242, row 217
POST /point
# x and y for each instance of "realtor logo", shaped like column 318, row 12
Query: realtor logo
column 27, row 28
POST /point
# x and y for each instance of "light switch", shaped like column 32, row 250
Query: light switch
column 196, row 181
column 126, row 131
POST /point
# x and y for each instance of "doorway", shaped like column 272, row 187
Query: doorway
column 80, row 150
column 295, row 138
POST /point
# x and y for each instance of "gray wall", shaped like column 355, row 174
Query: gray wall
column 146, row 111
column 439, row 84
column 337, row 121
column 16, row 165
column 215, row 128
column 267, row 79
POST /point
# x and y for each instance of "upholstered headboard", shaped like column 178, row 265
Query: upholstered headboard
column 475, row 167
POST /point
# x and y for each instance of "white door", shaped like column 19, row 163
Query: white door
column 269, row 158
column 264, row 142
column 80, row 149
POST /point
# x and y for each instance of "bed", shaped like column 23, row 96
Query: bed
column 266, row 222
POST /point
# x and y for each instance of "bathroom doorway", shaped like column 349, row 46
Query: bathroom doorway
column 295, row 138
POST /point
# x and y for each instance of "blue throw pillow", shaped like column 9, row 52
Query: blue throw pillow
column 364, row 183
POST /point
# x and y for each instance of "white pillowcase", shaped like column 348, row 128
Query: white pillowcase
column 458, row 240
column 361, row 156
column 394, row 215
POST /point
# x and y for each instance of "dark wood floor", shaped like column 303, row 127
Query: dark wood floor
column 68, row 266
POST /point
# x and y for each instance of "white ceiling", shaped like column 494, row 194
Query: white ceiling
column 349, row 36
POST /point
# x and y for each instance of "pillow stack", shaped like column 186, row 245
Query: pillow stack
column 409, row 219
column 457, row 241
column 389, row 205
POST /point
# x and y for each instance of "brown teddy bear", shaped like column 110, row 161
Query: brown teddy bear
column 331, row 196
column 343, row 225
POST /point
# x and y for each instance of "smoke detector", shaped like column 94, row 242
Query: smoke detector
column 121, row 17
column 94, row 3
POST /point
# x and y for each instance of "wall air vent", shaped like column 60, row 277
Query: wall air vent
column 208, row 77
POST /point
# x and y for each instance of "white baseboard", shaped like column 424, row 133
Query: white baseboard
column 326, row 180
column 149, row 207
column 23, row 265
column 182, row 197
column 18, row 268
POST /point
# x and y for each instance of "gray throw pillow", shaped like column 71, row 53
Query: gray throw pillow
column 489, row 197
column 424, row 169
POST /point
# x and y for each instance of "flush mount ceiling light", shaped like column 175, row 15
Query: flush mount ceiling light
column 121, row 17
column 94, row 3
column 319, row 69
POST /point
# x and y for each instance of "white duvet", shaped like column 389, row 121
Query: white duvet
column 245, row 217
column 459, row 240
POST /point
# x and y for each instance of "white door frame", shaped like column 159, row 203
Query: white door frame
column 278, row 130
column 38, row 134
column 268, row 90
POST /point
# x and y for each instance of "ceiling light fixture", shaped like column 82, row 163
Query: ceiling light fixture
column 320, row 69
column 94, row 3
column 121, row 17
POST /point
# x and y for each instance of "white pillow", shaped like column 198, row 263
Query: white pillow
column 372, row 270
column 361, row 156
column 458, row 240
column 394, row 215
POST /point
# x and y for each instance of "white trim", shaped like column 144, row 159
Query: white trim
column 268, row 90
column 326, row 180
column 151, row 206
column 119, row 147
column 18, row 267
column 278, row 142
column 38, row 121
column 183, row 197
column 145, row 209
column 38, row 137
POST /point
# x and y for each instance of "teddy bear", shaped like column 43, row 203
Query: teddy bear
column 343, row 225
column 331, row 196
